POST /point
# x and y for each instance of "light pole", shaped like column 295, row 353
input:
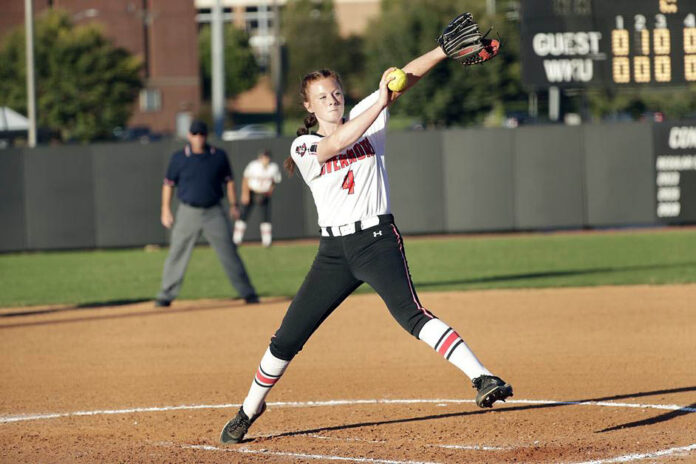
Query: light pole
column 31, row 81
column 490, row 7
column 217, row 43
column 277, row 69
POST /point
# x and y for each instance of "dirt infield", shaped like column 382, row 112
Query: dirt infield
column 601, row 375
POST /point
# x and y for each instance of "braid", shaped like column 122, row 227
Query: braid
column 309, row 122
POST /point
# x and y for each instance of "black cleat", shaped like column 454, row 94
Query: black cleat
column 252, row 299
column 162, row 303
column 490, row 389
column 235, row 429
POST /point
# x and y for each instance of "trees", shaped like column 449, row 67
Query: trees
column 313, row 42
column 241, row 70
column 451, row 94
column 85, row 85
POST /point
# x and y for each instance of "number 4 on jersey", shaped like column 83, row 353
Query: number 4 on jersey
column 349, row 183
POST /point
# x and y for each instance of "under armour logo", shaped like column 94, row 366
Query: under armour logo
column 375, row 234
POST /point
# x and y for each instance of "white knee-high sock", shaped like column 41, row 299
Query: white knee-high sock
column 266, row 233
column 443, row 339
column 239, row 229
column 269, row 372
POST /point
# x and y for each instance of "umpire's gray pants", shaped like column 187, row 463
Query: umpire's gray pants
column 214, row 223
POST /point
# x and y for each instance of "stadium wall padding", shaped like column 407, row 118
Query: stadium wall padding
column 59, row 193
column 13, row 229
column 549, row 177
column 126, row 182
column 414, row 165
column 478, row 179
column 620, row 175
column 443, row 181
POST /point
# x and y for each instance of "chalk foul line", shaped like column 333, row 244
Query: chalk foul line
column 294, row 455
column 7, row 419
column 288, row 454
column 330, row 403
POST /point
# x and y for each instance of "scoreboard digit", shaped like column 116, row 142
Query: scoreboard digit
column 635, row 42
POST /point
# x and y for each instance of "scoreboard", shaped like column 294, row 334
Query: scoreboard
column 617, row 43
column 675, row 168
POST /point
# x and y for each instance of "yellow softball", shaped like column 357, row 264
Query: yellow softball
column 399, row 82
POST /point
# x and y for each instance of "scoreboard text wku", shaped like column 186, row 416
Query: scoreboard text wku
column 581, row 43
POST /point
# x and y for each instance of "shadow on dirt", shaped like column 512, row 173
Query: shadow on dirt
column 690, row 409
column 499, row 410
column 97, row 304
column 183, row 307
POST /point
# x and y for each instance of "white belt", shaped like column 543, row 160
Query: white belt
column 347, row 229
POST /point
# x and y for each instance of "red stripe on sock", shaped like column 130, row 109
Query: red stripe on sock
column 263, row 379
column 452, row 337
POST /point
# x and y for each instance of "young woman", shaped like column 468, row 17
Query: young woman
column 260, row 178
column 343, row 165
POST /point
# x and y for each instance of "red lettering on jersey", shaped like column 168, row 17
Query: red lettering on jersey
column 367, row 146
column 359, row 152
column 349, row 183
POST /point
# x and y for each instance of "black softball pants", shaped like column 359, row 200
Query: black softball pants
column 260, row 199
column 375, row 256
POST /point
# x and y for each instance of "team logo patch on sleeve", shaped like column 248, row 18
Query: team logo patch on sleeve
column 301, row 149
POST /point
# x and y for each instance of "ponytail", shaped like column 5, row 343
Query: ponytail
column 309, row 122
column 289, row 165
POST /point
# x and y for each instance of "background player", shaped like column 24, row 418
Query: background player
column 260, row 178
column 343, row 163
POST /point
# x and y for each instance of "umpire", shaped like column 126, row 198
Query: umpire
column 200, row 171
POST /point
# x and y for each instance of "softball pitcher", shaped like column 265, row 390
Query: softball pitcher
column 343, row 163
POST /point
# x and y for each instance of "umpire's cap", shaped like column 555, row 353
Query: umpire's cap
column 198, row 127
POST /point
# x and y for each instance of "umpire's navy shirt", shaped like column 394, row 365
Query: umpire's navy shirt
column 199, row 178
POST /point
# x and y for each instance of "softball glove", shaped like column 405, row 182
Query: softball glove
column 462, row 41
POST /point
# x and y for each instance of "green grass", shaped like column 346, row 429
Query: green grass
column 437, row 264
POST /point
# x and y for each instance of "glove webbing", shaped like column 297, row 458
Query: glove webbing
column 471, row 35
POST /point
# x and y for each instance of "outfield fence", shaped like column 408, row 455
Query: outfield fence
column 445, row 181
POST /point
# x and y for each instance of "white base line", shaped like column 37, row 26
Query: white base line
column 303, row 455
column 305, row 404
column 309, row 404
column 626, row 458
column 637, row 457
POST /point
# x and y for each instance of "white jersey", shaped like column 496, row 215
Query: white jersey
column 261, row 178
column 352, row 185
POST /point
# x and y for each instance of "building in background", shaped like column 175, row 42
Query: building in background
column 164, row 34
column 256, row 18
